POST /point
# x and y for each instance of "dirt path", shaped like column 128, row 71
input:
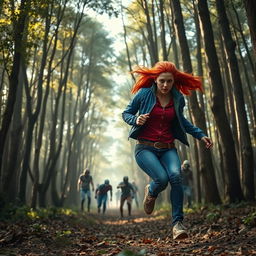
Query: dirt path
column 219, row 232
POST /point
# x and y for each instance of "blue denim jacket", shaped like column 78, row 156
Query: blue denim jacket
column 144, row 101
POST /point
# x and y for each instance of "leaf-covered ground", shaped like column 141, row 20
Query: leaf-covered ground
column 213, row 231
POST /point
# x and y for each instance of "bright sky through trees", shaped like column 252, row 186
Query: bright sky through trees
column 114, row 27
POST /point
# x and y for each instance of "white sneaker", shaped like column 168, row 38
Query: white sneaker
column 179, row 231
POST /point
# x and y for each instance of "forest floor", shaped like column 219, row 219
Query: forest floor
column 212, row 231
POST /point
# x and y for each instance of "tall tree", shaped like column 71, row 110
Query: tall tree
column 162, row 25
column 126, row 44
column 151, row 39
column 32, row 115
column 246, row 154
column 11, row 168
column 218, row 108
column 19, row 28
column 206, row 165
column 60, row 10
column 250, row 7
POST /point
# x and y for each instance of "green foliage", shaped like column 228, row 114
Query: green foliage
column 213, row 216
column 162, row 209
column 250, row 220
column 37, row 227
column 130, row 253
column 241, row 204
column 63, row 233
column 100, row 252
column 14, row 213
column 103, row 6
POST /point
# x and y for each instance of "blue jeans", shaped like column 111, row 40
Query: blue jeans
column 102, row 199
column 188, row 195
column 84, row 193
column 163, row 166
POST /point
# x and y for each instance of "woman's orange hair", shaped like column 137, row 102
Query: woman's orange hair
column 183, row 82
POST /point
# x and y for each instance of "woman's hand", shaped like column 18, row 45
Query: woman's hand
column 142, row 119
column 208, row 142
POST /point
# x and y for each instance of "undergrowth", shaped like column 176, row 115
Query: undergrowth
column 16, row 213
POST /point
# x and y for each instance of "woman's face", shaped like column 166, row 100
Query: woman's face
column 164, row 83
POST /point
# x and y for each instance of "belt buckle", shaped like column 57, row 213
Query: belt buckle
column 155, row 145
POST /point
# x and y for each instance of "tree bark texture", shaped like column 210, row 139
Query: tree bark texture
column 162, row 22
column 12, row 167
column 206, row 166
column 246, row 154
column 250, row 7
column 19, row 29
column 151, row 40
column 218, row 107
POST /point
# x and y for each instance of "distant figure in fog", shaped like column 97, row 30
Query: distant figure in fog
column 102, row 195
column 84, row 182
column 187, row 182
column 126, row 195
column 118, row 197
column 135, row 194
column 97, row 186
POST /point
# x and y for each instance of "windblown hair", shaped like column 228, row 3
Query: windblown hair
column 183, row 82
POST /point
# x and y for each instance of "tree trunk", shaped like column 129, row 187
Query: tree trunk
column 206, row 166
column 11, row 172
column 126, row 47
column 44, row 102
column 162, row 25
column 56, row 149
column 218, row 107
column 152, row 42
column 246, row 158
column 13, row 79
column 250, row 8
column 32, row 118
column 228, row 93
column 249, row 93
column 155, row 29
column 245, row 42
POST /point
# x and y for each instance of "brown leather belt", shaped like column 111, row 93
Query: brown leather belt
column 157, row 144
